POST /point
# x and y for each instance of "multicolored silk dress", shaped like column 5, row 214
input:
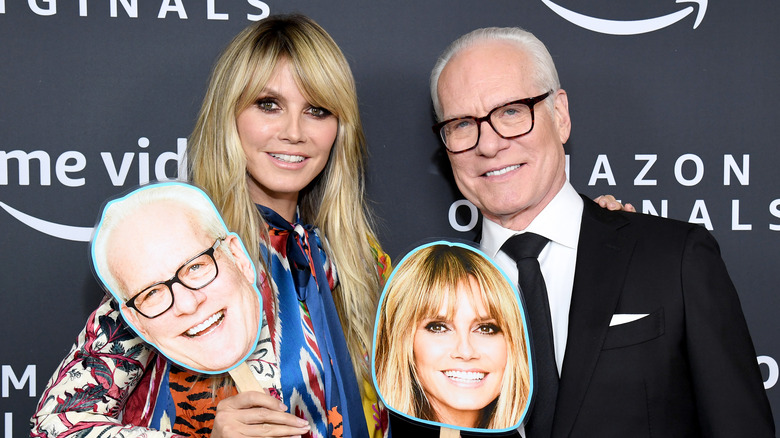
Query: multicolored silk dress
column 317, row 377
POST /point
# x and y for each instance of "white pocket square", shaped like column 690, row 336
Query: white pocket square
column 623, row 318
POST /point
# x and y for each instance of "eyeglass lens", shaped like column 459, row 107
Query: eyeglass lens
column 195, row 274
column 509, row 120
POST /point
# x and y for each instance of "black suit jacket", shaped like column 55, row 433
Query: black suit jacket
column 687, row 369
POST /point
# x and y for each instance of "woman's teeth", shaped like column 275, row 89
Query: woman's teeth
column 195, row 331
column 288, row 158
column 465, row 376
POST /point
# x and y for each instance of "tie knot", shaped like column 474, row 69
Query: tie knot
column 523, row 246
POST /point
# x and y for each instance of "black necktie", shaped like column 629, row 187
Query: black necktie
column 524, row 249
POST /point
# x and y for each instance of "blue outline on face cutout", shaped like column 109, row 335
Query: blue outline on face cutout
column 120, row 300
column 521, row 307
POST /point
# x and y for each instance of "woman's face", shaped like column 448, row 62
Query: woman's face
column 286, row 141
column 460, row 361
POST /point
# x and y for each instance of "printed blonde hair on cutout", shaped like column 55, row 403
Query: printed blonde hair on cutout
column 420, row 285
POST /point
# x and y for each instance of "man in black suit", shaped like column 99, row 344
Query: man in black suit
column 648, row 335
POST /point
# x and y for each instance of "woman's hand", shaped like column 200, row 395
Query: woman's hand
column 256, row 414
column 609, row 202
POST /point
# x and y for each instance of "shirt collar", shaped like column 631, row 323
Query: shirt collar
column 559, row 222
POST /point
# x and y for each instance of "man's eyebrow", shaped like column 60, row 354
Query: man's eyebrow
column 505, row 102
column 179, row 265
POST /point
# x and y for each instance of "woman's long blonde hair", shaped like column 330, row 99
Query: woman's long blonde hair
column 424, row 281
column 334, row 201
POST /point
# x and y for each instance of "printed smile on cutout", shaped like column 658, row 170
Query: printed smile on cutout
column 465, row 376
column 502, row 171
column 288, row 158
column 214, row 320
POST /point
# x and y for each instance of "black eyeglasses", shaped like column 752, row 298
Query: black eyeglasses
column 511, row 120
column 195, row 274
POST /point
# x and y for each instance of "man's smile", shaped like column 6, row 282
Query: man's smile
column 502, row 170
column 214, row 320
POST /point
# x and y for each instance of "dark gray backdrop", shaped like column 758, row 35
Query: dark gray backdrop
column 81, row 88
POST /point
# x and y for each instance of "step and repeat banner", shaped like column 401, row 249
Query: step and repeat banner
column 673, row 106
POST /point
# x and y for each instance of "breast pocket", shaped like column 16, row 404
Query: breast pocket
column 635, row 332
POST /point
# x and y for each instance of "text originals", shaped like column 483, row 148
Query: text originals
column 688, row 170
column 463, row 215
column 129, row 8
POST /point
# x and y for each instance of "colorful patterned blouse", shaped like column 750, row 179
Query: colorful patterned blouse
column 111, row 383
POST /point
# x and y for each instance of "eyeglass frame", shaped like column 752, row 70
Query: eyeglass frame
column 175, row 279
column 530, row 102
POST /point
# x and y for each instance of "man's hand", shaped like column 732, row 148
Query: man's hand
column 610, row 203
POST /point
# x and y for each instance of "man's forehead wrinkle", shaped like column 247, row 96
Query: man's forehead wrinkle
column 479, row 79
column 470, row 96
column 150, row 232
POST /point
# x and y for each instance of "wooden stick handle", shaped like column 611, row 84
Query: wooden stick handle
column 446, row 432
column 244, row 379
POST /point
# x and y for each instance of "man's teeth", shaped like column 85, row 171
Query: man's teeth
column 502, row 171
column 465, row 376
column 288, row 158
column 205, row 324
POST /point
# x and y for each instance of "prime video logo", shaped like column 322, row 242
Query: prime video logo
column 68, row 167
column 629, row 27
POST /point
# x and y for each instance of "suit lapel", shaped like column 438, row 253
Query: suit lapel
column 603, row 254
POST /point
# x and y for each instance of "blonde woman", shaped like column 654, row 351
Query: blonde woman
column 279, row 148
column 450, row 343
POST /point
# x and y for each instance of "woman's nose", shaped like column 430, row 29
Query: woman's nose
column 464, row 348
column 292, row 130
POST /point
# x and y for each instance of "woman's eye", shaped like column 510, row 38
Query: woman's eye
column 488, row 329
column 436, row 327
column 318, row 112
column 267, row 104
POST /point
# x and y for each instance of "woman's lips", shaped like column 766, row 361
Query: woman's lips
column 288, row 158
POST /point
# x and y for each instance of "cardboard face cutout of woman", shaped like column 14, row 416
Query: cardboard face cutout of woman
column 183, row 282
column 450, row 341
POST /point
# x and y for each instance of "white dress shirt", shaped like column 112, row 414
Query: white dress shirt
column 559, row 222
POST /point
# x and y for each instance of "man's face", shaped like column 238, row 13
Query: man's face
column 209, row 329
column 510, row 181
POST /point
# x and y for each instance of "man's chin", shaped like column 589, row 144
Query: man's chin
column 226, row 359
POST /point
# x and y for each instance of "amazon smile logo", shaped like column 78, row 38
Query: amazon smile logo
column 629, row 27
column 60, row 231
column 69, row 169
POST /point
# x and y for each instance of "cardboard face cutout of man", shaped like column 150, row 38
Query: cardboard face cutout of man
column 450, row 341
column 183, row 282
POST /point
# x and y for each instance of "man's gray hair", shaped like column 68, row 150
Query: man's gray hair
column 175, row 196
column 545, row 74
